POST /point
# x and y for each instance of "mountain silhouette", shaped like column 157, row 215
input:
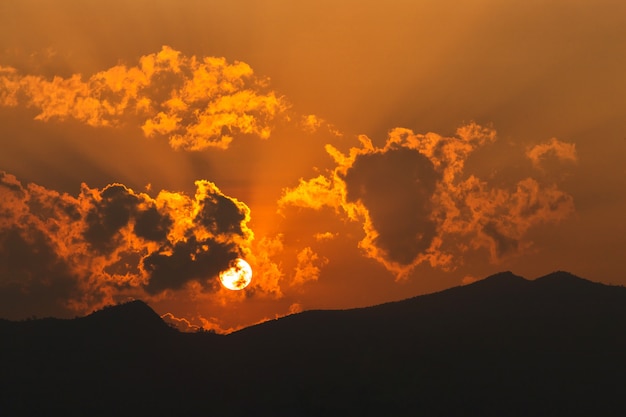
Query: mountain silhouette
column 502, row 346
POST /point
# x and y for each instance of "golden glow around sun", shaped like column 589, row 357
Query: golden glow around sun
column 238, row 276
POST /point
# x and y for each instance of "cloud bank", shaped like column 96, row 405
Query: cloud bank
column 79, row 253
column 196, row 102
column 417, row 205
column 413, row 197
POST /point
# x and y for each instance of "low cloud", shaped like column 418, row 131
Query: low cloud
column 417, row 204
column 181, row 324
column 196, row 102
column 104, row 245
column 468, row 279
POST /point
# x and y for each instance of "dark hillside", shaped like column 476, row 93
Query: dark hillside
column 503, row 346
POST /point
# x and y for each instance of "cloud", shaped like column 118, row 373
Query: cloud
column 182, row 324
column 308, row 267
column 213, row 324
column 32, row 273
column 312, row 123
column 322, row 236
column 268, row 273
column 210, row 324
column 295, row 308
column 468, row 279
column 107, row 244
column 396, row 183
column 562, row 151
column 315, row 193
column 196, row 102
column 417, row 204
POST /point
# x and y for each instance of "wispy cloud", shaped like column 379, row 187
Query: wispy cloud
column 554, row 148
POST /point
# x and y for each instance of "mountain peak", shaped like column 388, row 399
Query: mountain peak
column 560, row 276
column 564, row 280
column 134, row 315
column 505, row 276
column 134, row 307
column 501, row 280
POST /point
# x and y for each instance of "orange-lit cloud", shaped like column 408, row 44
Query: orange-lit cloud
column 180, row 323
column 555, row 148
column 417, row 204
column 196, row 102
column 468, row 279
column 315, row 193
column 210, row 324
column 312, row 123
column 105, row 245
column 308, row 266
column 295, row 308
column 325, row 236
column 268, row 273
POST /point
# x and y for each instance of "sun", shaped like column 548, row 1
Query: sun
column 238, row 276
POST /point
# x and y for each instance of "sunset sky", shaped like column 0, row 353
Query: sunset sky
column 353, row 152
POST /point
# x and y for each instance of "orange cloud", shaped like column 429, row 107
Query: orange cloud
column 468, row 279
column 268, row 273
column 181, row 324
column 197, row 103
column 315, row 193
column 108, row 244
column 210, row 324
column 562, row 151
column 324, row 236
column 417, row 205
column 213, row 324
column 312, row 123
column 308, row 267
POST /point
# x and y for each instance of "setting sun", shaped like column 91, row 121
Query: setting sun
column 238, row 276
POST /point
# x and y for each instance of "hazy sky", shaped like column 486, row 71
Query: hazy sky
column 354, row 152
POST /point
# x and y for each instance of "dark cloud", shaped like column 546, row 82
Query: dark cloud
column 152, row 225
column 108, row 215
column 73, row 254
column 201, row 256
column 417, row 204
column 189, row 260
column 118, row 207
column 32, row 274
column 396, row 187
column 220, row 214
column 128, row 263
column 502, row 244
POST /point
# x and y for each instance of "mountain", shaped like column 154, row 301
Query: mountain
column 503, row 346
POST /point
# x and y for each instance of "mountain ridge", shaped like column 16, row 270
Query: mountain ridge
column 504, row 345
column 139, row 313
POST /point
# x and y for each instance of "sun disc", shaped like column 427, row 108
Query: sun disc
column 238, row 276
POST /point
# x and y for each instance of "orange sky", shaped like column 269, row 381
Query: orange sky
column 353, row 152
